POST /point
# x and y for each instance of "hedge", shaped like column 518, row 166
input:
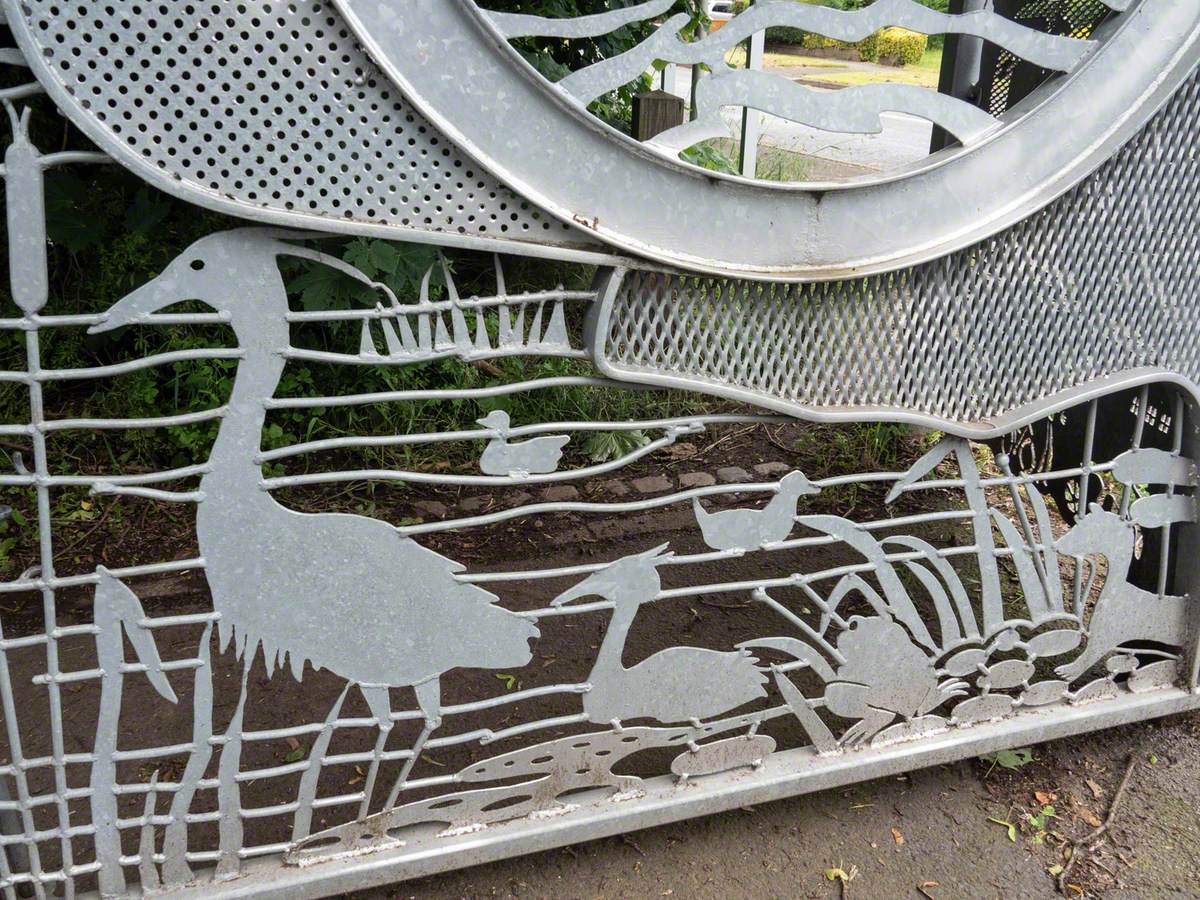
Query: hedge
column 895, row 46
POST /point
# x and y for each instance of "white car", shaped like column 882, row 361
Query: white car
column 719, row 10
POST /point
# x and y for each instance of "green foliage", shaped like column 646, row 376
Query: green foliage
column 895, row 46
column 710, row 155
column 1009, row 759
column 605, row 446
column 555, row 58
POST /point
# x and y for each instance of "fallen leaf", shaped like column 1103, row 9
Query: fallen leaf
column 293, row 743
column 295, row 756
column 898, row 837
column 1097, row 791
column 1055, row 870
column 1044, row 797
column 1088, row 816
column 510, row 681
column 1012, row 829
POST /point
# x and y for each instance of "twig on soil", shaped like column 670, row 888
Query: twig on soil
column 1090, row 842
column 775, row 442
column 714, row 444
column 746, row 605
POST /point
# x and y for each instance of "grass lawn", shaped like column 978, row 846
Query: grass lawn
column 923, row 74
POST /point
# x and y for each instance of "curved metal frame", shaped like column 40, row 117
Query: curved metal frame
column 545, row 146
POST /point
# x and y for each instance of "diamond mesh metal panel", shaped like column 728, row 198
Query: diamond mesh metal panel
column 281, row 109
column 1102, row 281
column 1074, row 18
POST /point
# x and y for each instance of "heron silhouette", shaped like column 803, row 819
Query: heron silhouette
column 343, row 592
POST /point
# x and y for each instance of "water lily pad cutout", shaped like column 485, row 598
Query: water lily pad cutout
column 1044, row 692
column 1100, row 689
column 965, row 662
column 1154, row 677
column 1121, row 663
column 1055, row 643
column 1008, row 674
column 983, row 709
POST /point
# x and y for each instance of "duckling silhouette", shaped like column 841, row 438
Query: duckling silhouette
column 749, row 529
column 537, row 456
column 344, row 592
column 679, row 684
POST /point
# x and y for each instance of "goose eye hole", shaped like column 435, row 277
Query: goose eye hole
column 197, row 265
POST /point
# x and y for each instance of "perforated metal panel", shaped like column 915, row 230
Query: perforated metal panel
column 1100, row 283
column 279, row 109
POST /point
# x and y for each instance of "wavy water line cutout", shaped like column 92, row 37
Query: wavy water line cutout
column 519, row 25
column 854, row 110
column 1054, row 52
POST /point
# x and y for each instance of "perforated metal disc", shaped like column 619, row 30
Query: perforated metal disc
column 267, row 110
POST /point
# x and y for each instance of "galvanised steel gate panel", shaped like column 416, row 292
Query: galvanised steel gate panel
column 1030, row 293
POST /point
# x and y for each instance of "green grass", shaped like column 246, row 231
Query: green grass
column 923, row 74
column 774, row 60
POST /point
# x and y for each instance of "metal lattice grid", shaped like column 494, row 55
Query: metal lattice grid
column 1101, row 282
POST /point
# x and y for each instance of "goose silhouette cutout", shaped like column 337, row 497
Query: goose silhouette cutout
column 537, row 456
column 342, row 592
column 749, row 529
column 679, row 684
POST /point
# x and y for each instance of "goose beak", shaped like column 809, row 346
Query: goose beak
column 137, row 305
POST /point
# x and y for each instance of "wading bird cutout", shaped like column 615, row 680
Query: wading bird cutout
column 344, row 592
column 678, row 684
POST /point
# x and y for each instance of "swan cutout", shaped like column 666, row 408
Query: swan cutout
column 679, row 684
column 750, row 529
column 537, row 456
column 343, row 592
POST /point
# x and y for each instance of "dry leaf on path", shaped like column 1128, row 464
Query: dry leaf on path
column 1088, row 816
column 898, row 837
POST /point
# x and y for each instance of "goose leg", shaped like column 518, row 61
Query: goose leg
column 429, row 698
column 380, row 705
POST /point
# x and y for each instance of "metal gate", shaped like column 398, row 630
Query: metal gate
column 570, row 636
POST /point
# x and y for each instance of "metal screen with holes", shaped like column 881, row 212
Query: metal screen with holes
column 329, row 561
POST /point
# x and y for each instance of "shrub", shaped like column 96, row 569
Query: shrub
column 780, row 35
column 895, row 45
